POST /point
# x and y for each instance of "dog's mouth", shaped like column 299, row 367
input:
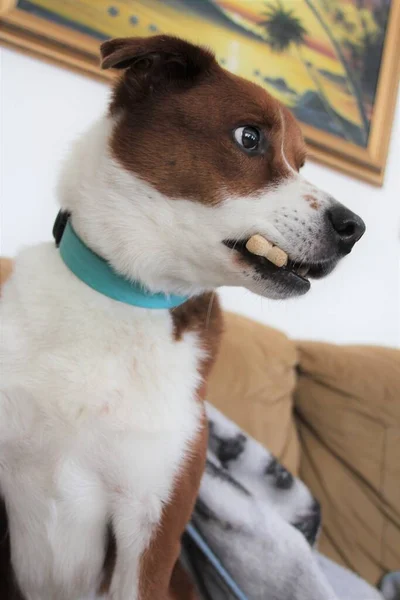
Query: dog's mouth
column 297, row 273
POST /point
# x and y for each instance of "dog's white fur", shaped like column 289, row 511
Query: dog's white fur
column 97, row 402
column 96, row 410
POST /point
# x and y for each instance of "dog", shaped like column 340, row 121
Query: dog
column 102, row 427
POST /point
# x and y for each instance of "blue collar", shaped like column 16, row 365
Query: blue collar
column 99, row 275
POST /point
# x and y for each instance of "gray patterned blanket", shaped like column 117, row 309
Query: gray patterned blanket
column 255, row 527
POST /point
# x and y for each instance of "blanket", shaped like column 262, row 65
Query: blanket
column 255, row 527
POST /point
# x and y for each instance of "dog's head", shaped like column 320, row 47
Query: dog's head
column 190, row 163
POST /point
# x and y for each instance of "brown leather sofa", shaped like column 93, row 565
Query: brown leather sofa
column 331, row 414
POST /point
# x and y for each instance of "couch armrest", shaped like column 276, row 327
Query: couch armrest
column 348, row 413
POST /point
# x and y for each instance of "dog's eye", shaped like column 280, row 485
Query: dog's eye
column 248, row 137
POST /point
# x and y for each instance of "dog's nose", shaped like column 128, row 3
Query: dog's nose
column 348, row 226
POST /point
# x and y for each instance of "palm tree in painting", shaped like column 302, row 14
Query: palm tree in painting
column 283, row 27
column 284, row 30
column 351, row 78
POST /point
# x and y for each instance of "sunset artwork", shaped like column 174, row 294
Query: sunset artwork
column 321, row 58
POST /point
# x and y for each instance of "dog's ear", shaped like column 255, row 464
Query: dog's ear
column 159, row 57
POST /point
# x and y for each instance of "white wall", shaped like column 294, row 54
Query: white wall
column 44, row 108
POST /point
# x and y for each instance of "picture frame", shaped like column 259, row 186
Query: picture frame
column 32, row 28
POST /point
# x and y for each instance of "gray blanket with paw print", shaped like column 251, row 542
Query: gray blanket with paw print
column 255, row 527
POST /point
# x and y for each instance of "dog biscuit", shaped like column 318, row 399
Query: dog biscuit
column 259, row 246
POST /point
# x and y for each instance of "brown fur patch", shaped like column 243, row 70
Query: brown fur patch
column 293, row 144
column 160, row 577
column 203, row 315
column 160, row 58
column 177, row 133
column 181, row 587
column 313, row 202
column 159, row 560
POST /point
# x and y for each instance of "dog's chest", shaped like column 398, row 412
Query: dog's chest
column 121, row 376
column 94, row 383
column 100, row 412
column 91, row 361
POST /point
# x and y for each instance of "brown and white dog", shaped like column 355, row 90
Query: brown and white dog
column 102, row 436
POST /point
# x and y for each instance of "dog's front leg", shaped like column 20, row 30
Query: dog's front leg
column 133, row 525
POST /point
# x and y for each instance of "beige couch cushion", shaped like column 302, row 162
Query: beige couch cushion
column 252, row 383
column 348, row 406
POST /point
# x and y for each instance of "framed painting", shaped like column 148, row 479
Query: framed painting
column 334, row 63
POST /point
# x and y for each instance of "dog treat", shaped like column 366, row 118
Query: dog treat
column 259, row 246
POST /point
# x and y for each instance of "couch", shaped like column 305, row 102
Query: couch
column 331, row 414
